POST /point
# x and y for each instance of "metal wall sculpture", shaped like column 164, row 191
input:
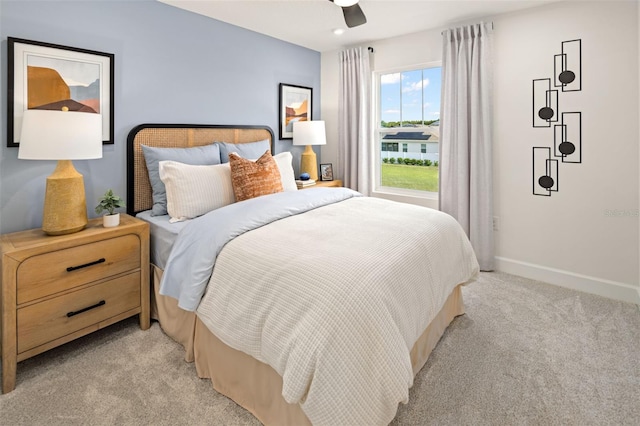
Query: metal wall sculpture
column 567, row 126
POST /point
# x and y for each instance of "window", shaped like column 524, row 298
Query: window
column 390, row 146
column 408, row 113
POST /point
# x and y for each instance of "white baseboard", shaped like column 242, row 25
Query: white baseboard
column 587, row 284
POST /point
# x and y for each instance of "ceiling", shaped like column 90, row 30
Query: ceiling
column 310, row 23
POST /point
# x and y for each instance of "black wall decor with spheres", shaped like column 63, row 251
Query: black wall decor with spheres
column 567, row 126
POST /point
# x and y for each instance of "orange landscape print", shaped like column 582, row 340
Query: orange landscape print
column 53, row 84
column 296, row 104
column 296, row 112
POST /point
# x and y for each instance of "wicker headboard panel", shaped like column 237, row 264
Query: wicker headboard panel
column 177, row 136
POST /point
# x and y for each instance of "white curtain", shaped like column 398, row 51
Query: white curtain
column 354, row 120
column 466, row 187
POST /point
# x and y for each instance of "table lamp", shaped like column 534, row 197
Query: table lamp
column 309, row 133
column 62, row 136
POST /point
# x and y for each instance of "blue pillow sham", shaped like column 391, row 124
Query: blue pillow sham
column 196, row 156
column 251, row 150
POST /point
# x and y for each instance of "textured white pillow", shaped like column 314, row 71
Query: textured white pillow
column 195, row 190
column 287, row 175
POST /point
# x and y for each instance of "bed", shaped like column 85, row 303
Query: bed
column 296, row 321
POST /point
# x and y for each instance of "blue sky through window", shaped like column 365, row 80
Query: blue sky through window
column 410, row 95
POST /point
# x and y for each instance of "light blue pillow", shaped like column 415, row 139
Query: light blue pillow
column 251, row 150
column 196, row 156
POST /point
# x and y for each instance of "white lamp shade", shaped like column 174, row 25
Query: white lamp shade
column 309, row 133
column 60, row 135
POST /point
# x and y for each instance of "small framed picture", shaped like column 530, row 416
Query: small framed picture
column 295, row 105
column 326, row 172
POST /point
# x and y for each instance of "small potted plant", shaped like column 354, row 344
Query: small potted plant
column 110, row 202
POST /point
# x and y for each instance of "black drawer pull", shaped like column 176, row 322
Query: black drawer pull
column 100, row 303
column 95, row 262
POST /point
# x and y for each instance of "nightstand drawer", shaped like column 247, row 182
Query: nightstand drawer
column 50, row 273
column 48, row 320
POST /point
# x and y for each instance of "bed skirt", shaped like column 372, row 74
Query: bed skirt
column 250, row 383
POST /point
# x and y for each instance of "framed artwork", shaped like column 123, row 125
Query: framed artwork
column 54, row 77
column 326, row 172
column 295, row 105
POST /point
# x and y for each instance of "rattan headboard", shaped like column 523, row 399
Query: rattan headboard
column 177, row 136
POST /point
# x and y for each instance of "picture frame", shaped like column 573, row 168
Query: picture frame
column 326, row 172
column 295, row 104
column 51, row 76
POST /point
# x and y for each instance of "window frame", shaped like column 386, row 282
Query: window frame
column 378, row 189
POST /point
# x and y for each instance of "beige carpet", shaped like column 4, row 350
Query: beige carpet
column 525, row 353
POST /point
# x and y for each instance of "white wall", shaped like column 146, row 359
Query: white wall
column 571, row 237
column 586, row 235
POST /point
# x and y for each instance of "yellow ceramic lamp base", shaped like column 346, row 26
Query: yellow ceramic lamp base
column 65, row 207
column 308, row 163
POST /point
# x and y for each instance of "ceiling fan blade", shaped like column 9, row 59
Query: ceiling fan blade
column 354, row 16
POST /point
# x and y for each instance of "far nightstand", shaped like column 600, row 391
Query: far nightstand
column 325, row 183
column 58, row 288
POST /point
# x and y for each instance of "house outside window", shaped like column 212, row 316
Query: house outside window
column 408, row 113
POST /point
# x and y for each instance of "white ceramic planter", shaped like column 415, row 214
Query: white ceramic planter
column 111, row 220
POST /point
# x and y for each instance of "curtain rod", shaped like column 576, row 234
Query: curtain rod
column 442, row 33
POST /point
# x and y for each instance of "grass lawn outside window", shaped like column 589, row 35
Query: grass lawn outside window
column 422, row 178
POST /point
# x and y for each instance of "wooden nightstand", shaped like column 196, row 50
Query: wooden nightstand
column 58, row 288
column 325, row 183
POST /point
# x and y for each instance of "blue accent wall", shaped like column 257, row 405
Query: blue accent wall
column 171, row 66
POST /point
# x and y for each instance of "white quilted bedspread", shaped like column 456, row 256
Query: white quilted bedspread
column 334, row 299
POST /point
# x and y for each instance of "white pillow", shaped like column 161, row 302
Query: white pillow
column 287, row 175
column 195, row 190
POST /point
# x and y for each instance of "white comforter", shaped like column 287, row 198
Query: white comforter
column 335, row 298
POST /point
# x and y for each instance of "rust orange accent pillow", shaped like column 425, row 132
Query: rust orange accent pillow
column 252, row 179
